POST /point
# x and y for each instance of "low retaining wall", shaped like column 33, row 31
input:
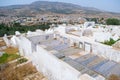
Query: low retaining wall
column 106, row 52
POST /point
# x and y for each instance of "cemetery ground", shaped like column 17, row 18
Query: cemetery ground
column 9, row 54
column 24, row 72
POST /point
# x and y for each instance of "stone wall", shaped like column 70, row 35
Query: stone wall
column 45, row 62
column 6, row 40
column 106, row 51
column 24, row 46
column 52, row 67
column 99, row 49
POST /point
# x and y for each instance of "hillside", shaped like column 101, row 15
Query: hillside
column 42, row 7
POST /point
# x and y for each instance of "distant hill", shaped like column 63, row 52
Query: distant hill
column 41, row 7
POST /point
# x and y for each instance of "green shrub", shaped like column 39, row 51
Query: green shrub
column 110, row 42
column 22, row 60
column 8, row 57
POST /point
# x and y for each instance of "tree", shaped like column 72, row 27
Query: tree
column 113, row 21
column 5, row 29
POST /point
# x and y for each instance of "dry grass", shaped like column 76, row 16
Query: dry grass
column 11, row 73
column 2, row 43
column 35, row 76
column 11, row 50
column 114, row 77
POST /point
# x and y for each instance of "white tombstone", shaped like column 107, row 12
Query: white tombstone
column 17, row 33
column 13, row 41
column 1, row 53
column 89, row 24
column 39, row 31
column 102, row 36
column 6, row 40
column 115, row 37
column 29, row 32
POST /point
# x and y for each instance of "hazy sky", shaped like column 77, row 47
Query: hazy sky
column 108, row 5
